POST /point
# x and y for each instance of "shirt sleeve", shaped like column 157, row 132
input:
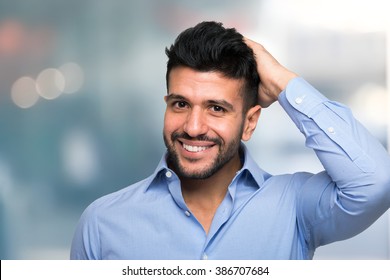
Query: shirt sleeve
column 354, row 189
column 85, row 243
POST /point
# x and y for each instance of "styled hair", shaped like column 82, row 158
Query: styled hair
column 209, row 46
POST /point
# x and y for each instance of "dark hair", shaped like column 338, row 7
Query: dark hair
column 209, row 46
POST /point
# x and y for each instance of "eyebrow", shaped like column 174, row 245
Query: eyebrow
column 175, row 97
column 218, row 102
column 222, row 103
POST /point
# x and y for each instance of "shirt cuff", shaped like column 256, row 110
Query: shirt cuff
column 301, row 96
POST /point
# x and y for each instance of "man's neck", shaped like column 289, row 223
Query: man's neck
column 203, row 196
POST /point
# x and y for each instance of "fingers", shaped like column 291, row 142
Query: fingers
column 250, row 43
column 274, row 76
column 263, row 57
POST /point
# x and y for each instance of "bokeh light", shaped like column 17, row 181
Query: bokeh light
column 50, row 83
column 24, row 92
column 79, row 154
column 73, row 75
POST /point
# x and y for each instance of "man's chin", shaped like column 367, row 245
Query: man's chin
column 195, row 175
column 192, row 172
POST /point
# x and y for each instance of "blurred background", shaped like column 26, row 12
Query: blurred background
column 81, row 100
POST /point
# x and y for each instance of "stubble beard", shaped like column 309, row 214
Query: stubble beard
column 226, row 153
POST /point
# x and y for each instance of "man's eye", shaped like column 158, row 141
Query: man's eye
column 180, row 104
column 216, row 108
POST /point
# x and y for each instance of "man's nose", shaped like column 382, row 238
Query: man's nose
column 195, row 124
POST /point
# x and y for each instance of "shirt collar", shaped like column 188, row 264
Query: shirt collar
column 250, row 166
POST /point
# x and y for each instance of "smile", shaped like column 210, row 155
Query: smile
column 195, row 149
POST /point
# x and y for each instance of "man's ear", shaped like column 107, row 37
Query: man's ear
column 250, row 122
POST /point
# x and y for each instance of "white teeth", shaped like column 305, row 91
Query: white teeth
column 194, row 149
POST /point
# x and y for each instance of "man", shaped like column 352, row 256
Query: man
column 207, row 198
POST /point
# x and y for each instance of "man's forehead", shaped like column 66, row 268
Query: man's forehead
column 185, row 76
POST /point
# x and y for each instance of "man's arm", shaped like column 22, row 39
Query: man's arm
column 354, row 190
column 86, row 237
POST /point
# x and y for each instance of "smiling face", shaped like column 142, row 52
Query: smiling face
column 204, row 123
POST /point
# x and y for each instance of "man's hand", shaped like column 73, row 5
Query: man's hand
column 273, row 76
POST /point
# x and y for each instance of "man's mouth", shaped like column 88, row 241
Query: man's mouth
column 195, row 149
column 195, row 145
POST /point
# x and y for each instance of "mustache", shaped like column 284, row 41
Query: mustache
column 184, row 135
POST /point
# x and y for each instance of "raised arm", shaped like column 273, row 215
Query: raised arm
column 354, row 189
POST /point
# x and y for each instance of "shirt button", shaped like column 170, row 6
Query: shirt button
column 204, row 257
column 331, row 130
column 298, row 100
column 187, row 213
column 168, row 174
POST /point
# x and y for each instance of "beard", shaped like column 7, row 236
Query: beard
column 226, row 152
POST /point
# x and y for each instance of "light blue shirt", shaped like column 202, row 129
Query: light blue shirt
column 262, row 216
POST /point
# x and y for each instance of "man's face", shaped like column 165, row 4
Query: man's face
column 204, row 123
